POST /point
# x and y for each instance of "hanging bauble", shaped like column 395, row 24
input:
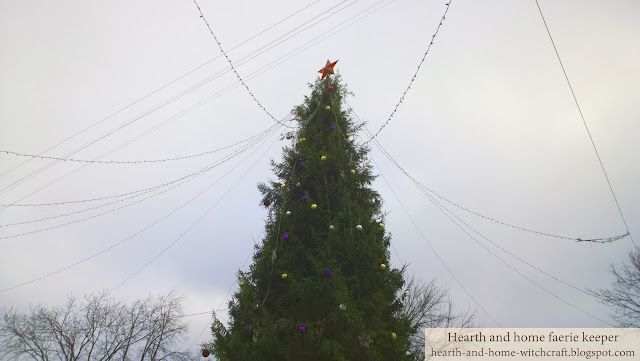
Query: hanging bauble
column 288, row 213
column 303, row 139
column 301, row 164
column 331, row 227
column 383, row 266
column 233, row 312
column 301, row 329
column 330, row 88
column 324, row 157
column 353, row 171
column 341, row 95
column 327, row 107
column 265, row 203
column 283, row 185
column 304, row 198
column 381, row 225
column 241, row 283
column 342, row 307
column 333, row 127
column 359, row 227
column 205, row 353
column 314, row 206
column 286, row 236
column 258, row 254
column 298, row 112
column 348, row 135
column 393, row 335
column 284, row 276
column 298, row 184
column 328, row 273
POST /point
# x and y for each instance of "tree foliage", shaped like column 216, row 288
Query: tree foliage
column 99, row 328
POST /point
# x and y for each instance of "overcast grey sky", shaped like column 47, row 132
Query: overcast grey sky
column 489, row 123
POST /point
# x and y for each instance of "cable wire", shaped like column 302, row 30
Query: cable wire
column 585, row 125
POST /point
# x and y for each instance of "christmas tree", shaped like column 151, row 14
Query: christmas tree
column 320, row 286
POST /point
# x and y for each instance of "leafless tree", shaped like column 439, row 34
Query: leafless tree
column 428, row 305
column 98, row 329
column 624, row 295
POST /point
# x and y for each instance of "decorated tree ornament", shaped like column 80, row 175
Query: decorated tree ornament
column 233, row 312
column 205, row 353
column 303, row 139
column 383, row 266
column 342, row 307
column 324, row 157
column 381, row 225
column 330, row 88
column 258, row 254
column 304, row 198
column 301, row 164
column 288, row 213
column 333, row 127
column 241, row 283
column 341, row 95
column 284, row 276
column 283, row 185
column 328, row 273
column 265, row 203
column 314, row 206
column 286, row 236
column 301, row 328
column 328, row 69
column 298, row 184
column 331, row 227
column 327, row 107
column 353, row 171
column 393, row 335
column 359, row 227
column 348, row 135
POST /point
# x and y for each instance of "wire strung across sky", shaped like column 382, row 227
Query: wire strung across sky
column 234, row 69
column 585, row 124
column 135, row 234
column 414, row 75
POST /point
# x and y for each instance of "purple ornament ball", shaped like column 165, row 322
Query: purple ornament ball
column 304, row 198
column 301, row 328
column 286, row 236
column 333, row 127
column 301, row 164
column 328, row 272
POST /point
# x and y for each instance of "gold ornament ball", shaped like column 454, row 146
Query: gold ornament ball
column 381, row 225
column 327, row 107
column 383, row 266
column 314, row 206
column 393, row 335
column 353, row 171
column 283, row 185
column 348, row 135
column 303, row 139
column 324, row 157
column 241, row 283
column 284, row 275
column 341, row 95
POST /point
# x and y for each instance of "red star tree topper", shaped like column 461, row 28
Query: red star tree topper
column 328, row 69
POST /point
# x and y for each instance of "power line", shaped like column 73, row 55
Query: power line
column 234, row 69
column 163, row 87
column 126, row 239
column 585, row 124
column 414, row 75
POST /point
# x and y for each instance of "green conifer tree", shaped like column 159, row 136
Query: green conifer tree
column 320, row 286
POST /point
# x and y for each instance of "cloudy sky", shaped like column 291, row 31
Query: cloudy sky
column 490, row 124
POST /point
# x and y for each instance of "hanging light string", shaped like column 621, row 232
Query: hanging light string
column 449, row 215
column 234, row 69
column 141, row 231
column 414, row 75
column 142, row 161
column 586, row 127
column 184, row 181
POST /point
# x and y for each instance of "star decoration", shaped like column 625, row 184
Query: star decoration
column 328, row 69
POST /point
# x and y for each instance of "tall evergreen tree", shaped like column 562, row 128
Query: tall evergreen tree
column 320, row 286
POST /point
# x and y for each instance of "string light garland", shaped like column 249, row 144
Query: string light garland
column 414, row 75
column 234, row 69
